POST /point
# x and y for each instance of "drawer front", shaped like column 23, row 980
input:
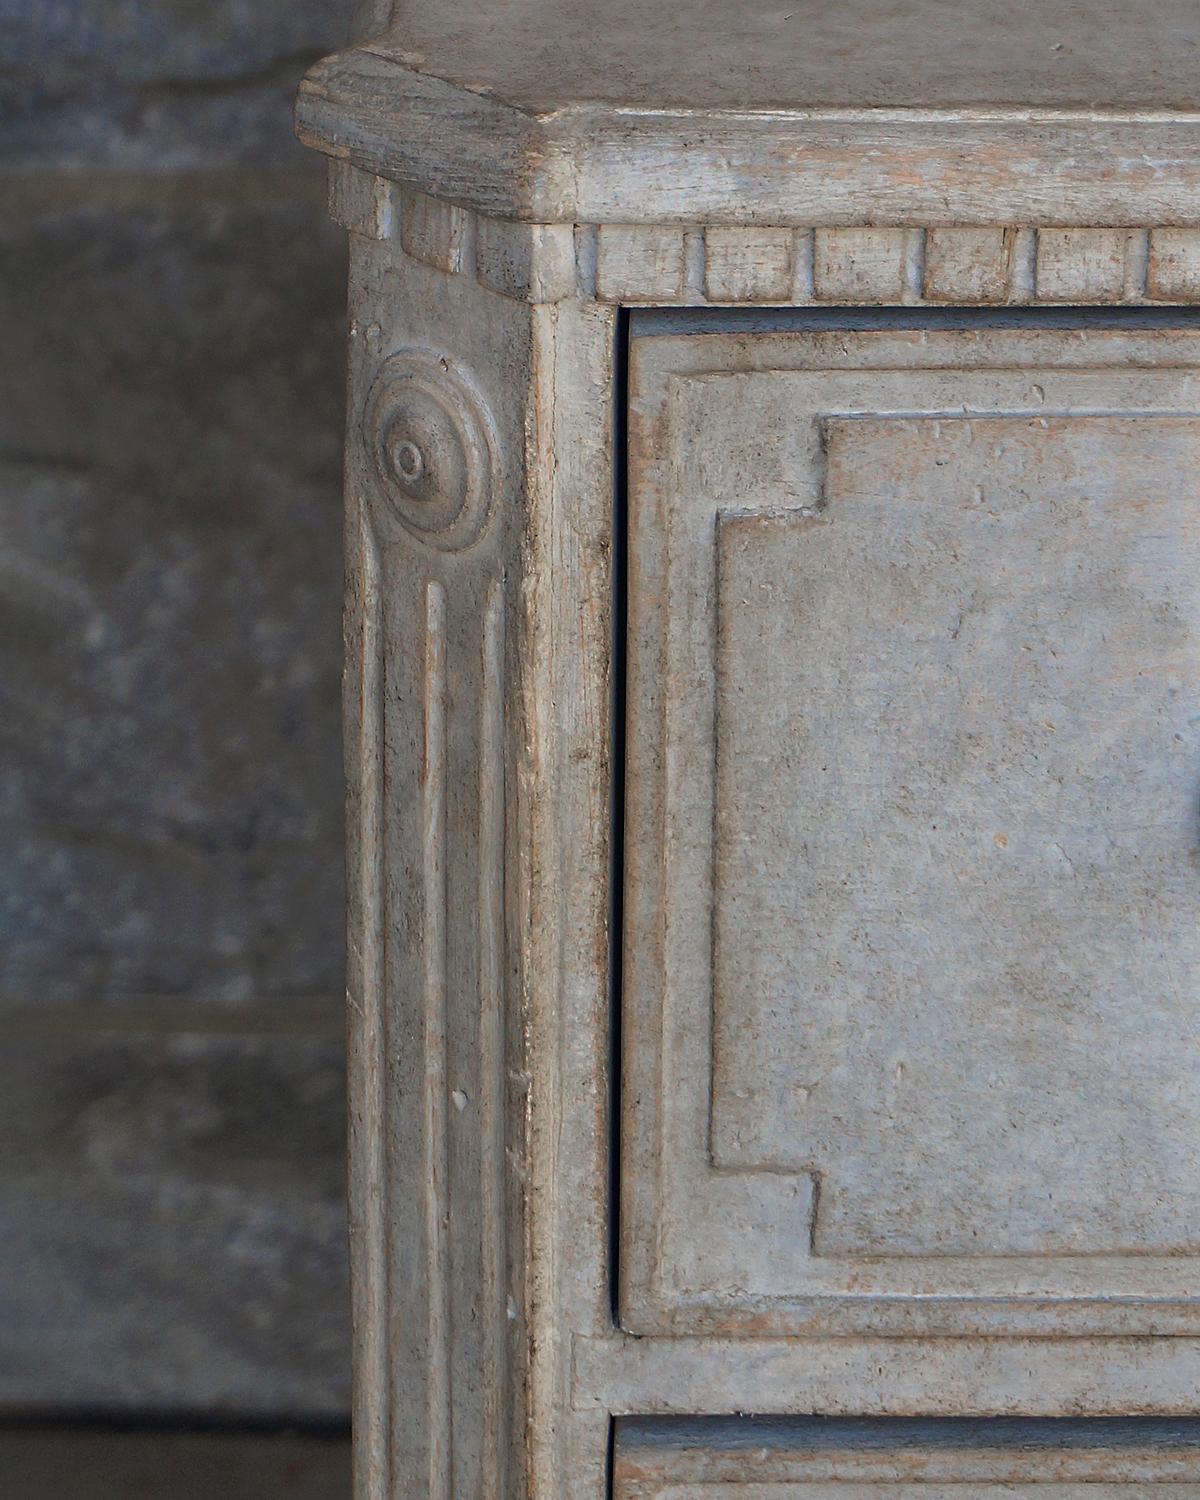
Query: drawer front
column 912, row 831
column 899, row 1459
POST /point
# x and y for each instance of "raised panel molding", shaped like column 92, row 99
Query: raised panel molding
column 894, row 807
column 721, row 266
column 843, row 916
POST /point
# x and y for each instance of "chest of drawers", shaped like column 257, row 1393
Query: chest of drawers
column 773, row 732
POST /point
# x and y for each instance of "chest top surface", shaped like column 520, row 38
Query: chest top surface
column 776, row 112
column 794, row 55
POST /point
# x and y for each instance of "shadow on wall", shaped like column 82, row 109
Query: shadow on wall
column 171, row 1112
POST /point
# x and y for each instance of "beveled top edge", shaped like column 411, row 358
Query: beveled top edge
column 606, row 163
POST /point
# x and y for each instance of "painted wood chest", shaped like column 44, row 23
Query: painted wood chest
column 773, row 735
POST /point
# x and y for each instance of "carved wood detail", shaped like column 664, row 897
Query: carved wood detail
column 697, row 266
column 740, row 963
column 435, row 1144
column 431, row 442
column 484, row 440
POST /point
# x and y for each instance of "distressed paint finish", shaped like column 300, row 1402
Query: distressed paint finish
column 439, row 384
column 715, row 265
column 757, row 114
column 473, row 746
column 1174, row 265
column 894, row 1135
column 639, row 263
column 968, row 265
column 815, row 1459
column 748, row 265
column 897, row 844
column 947, row 807
column 1084, row 265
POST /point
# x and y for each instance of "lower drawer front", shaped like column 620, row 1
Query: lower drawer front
column 904, row 1459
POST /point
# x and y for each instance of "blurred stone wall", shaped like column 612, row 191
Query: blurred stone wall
column 171, row 323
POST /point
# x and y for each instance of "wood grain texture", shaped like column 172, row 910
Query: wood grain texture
column 970, row 266
column 748, row 265
column 961, row 265
column 1082, row 265
column 435, row 454
column 435, row 232
column 801, row 162
column 434, row 1274
column 563, row 881
column 860, row 265
column 367, row 1030
column 479, row 834
column 882, row 1377
column 639, row 263
column 362, row 202
column 1174, row 265
column 364, row 110
column 532, row 262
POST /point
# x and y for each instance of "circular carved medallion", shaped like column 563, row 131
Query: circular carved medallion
column 431, row 441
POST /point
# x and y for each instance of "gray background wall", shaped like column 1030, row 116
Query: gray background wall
column 171, row 1111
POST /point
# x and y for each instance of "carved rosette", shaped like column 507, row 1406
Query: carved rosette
column 432, row 448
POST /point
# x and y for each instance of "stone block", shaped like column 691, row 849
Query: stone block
column 172, row 1223
column 150, row 85
column 170, row 586
column 96, row 1464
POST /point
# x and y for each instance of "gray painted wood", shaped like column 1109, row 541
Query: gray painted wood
column 910, row 833
column 758, row 113
column 776, row 265
column 878, row 1078
column 434, row 473
column 811, row 1459
column 97, row 1464
column 541, row 55
column 596, row 165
